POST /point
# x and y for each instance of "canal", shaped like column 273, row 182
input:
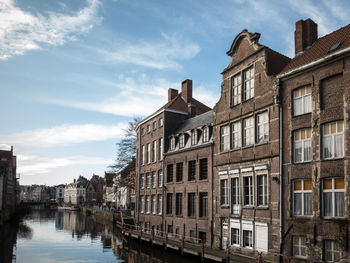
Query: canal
column 43, row 236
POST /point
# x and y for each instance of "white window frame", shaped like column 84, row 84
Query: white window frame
column 142, row 181
column 172, row 143
column 302, row 140
column 154, row 153
column 262, row 127
column 298, row 245
column 236, row 135
column 143, row 155
column 154, row 179
column 160, row 178
column 302, row 101
column 182, row 141
column 333, row 191
column 250, row 238
column 265, row 189
column 153, row 204
column 148, row 180
column 302, row 192
column 248, row 84
column 160, row 122
column 224, row 138
column 248, row 132
column 236, row 89
column 224, row 192
column 206, row 134
column 148, row 153
column 237, row 230
column 160, row 204
column 147, row 201
column 332, row 137
column 154, row 125
column 194, row 138
column 235, row 207
column 334, row 246
column 160, row 149
column 250, row 189
column 142, row 204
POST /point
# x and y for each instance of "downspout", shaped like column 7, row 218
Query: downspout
column 212, row 194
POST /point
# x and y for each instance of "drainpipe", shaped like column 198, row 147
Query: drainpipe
column 212, row 194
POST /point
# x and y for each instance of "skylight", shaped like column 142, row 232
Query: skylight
column 335, row 46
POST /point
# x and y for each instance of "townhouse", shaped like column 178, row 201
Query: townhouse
column 150, row 145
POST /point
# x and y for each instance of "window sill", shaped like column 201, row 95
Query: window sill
column 262, row 207
column 303, row 114
column 203, row 218
column 302, row 216
column 304, row 162
column 192, row 181
column 248, row 206
column 333, row 159
column 179, row 182
column 262, row 143
column 204, row 180
column 179, row 216
column 248, row 146
column 191, row 217
column 334, row 218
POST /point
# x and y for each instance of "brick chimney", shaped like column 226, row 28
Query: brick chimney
column 172, row 93
column 186, row 91
column 305, row 35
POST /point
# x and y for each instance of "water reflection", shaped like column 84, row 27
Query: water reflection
column 50, row 236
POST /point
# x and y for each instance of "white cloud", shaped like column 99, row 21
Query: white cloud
column 21, row 31
column 64, row 135
column 162, row 54
column 5, row 147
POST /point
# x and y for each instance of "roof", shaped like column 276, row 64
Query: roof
column 194, row 122
column 321, row 48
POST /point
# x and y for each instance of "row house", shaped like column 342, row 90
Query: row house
column 188, row 179
column 94, row 190
column 75, row 193
column 108, row 191
column 152, row 134
column 315, row 92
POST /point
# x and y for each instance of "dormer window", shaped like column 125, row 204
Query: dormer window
column 194, row 137
column 206, row 134
column 172, row 143
column 182, row 141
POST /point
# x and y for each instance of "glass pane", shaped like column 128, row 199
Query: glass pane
column 340, row 126
column 298, row 152
column 338, row 145
column 327, row 202
column 339, row 204
column 297, row 204
column 308, row 204
column 334, row 127
column 298, row 106
column 307, row 185
column 307, row 150
column 339, row 183
column 297, row 185
column 327, row 184
column 327, row 147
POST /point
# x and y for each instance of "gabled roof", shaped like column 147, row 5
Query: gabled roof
column 339, row 40
column 195, row 122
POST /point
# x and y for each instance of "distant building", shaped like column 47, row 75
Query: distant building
column 75, row 193
column 108, row 192
column 60, row 193
column 94, row 190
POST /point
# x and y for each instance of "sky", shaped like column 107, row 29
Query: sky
column 74, row 72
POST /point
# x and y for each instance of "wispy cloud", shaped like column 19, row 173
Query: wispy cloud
column 21, row 31
column 64, row 135
column 161, row 54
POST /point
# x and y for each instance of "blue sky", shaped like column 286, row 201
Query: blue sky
column 74, row 72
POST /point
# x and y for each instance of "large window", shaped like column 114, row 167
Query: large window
column 247, row 238
column 154, row 151
column 182, row 140
column 262, row 127
column 172, row 143
column 234, row 236
column 192, row 170
column 236, row 90
column 302, row 198
column 154, row 180
column 331, row 251
column 147, row 204
column 203, row 169
column 160, row 204
column 235, row 196
column 248, row 84
column 302, row 100
column 236, row 135
column 169, row 204
column 191, row 204
column 179, row 172
column 142, row 181
column 262, row 189
column 333, row 140
column 194, row 137
column 161, row 149
column 142, row 204
column 170, row 173
column 248, row 131
column 299, row 246
column 160, row 178
column 224, row 138
column 160, row 122
column 148, row 153
column 248, row 190
column 333, row 197
column 142, row 157
column 224, row 192
column 178, row 209
column 203, row 204
column 206, row 134
column 153, row 204
column 148, row 180
column 302, row 145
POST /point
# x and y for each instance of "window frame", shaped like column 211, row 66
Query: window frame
column 303, row 144
column 303, row 100
column 182, row 141
column 236, row 89
column 203, row 169
column 169, row 203
column 224, row 192
column 194, row 137
column 250, row 192
column 170, row 173
column 178, row 204
column 245, row 80
column 333, row 191
column 301, row 244
column 245, row 129
column 332, row 136
column 225, row 138
column 235, row 194
column 264, row 125
column 205, row 134
column 302, row 192
column 191, row 170
column 203, row 205
column 236, row 135
column 191, row 204
column 265, row 189
column 179, row 172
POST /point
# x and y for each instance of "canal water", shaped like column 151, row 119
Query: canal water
column 44, row 236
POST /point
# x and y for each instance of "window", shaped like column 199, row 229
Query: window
column 172, row 143
column 224, row 138
column 333, row 197
column 160, row 178
column 223, row 192
column 148, row 128
column 161, row 149
column 206, row 134
column 178, row 208
column 179, row 172
column 236, row 135
column 302, row 198
column 191, row 204
column 169, row 204
column 148, row 153
column 248, row 190
column 333, row 140
column 160, row 122
column 142, row 157
column 182, row 141
column 247, row 238
column 142, row 131
column 154, row 151
column 331, row 251
column 262, row 189
column 235, row 196
column 142, row 179
column 234, row 236
column 236, row 96
column 160, row 204
column 192, row 170
column 203, row 169
column 142, row 204
column 302, row 101
column 147, row 204
column 148, row 180
column 248, row 84
column 170, row 171
column 153, row 204
column 248, row 131
column 299, row 246
column 302, row 145
column 154, row 125
column 194, row 137
column 203, row 204
column 154, row 180
column 262, row 127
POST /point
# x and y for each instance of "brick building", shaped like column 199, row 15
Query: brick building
column 315, row 89
column 246, row 148
column 150, row 146
column 188, row 179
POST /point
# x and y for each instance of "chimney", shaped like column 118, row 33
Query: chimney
column 172, row 93
column 186, row 91
column 305, row 35
column 191, row 108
